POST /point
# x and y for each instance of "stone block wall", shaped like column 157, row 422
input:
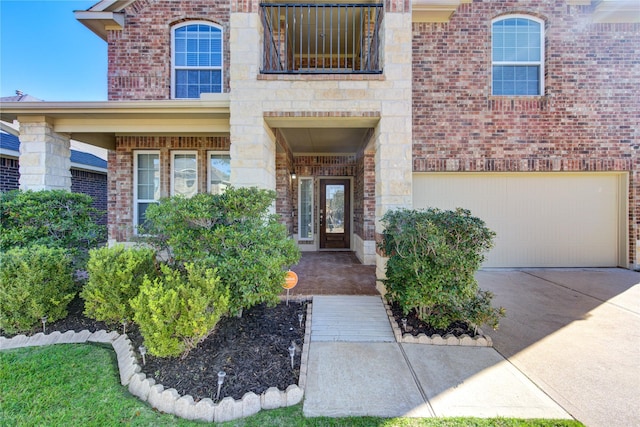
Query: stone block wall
column 140, row 54
column 587, row 119
column 45, row 156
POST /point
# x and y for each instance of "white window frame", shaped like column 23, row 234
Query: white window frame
column 540, row 63
column 173, row 164
column 312, row 195
column 173, row 59
column 209, row 154
column 136, row 201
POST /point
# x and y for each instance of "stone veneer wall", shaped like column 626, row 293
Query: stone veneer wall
column 120, row 191
column 45, row 156
column 387, row 96
column 140, row 54
column 587, row 119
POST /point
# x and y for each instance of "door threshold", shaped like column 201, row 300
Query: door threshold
column 334, row 250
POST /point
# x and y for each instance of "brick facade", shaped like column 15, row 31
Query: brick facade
column 433, row 101
column 140, row 54
column 9, row 174
column 587, row 120
column 120, row 191
column 93, row 184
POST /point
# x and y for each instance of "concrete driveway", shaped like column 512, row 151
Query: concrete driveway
column 576, row 334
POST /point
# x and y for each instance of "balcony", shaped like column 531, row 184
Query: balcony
column 321, row 38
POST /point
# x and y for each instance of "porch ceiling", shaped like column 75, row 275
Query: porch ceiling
column 97, row 123
column 324, row 140
column 324, row 135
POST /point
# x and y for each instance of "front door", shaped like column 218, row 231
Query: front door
column 335, row 214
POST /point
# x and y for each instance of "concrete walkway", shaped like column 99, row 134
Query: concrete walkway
column 350, row 374
column 350, row 319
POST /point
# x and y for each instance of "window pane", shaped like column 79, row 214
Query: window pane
column 142, row 209
column 193, row 91
column 185, row 175
column 306, row 209
column 514, row 41
column 516, row 80
column 335, row 208
column 219, row 172
column 204, row 59
column 148, row 177
column 199, row 48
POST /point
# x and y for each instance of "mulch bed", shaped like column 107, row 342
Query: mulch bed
column 252, row 350
column 416, row 326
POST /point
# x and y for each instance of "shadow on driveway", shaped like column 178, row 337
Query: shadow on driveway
column 576, row 334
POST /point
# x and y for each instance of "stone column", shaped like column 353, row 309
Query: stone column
column 253, row 147
column 393, row 136
column 45, row 156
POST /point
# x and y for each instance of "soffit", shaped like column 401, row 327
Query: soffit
column 324, row 135
column 104, row 16
column 434, row 10
column 97, row 123
column 325, row 140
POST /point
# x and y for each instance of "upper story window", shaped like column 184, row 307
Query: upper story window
column 517, row 49
column 197, row 60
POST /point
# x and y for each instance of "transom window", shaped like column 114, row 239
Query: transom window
column 197, row 60
column 517, row 44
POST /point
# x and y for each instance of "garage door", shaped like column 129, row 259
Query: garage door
column 541, row 219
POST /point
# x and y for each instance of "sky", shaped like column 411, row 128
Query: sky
column 46, row 53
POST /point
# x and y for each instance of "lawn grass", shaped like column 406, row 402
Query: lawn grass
column 78, row 385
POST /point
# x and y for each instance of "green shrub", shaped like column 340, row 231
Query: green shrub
column 115, row 277
column 52, row 218
column 233, row 232
column 177, row 311
column 34, row 282
column 433, row 258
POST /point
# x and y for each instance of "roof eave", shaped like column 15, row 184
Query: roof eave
column 101, row 22
column 97, row 123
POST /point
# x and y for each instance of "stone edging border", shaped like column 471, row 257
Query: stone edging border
column 481, row 340
column 169, row 401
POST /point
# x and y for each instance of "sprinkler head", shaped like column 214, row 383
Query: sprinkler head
column 221, row 375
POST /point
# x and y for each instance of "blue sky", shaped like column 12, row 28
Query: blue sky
column 46, row 53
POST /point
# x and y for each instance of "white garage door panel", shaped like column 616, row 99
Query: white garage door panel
column 541, row 220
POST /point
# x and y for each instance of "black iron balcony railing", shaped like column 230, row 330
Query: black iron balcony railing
column 321, row 38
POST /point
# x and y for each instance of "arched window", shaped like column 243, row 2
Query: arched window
column 197, row 60
column 517, row 52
